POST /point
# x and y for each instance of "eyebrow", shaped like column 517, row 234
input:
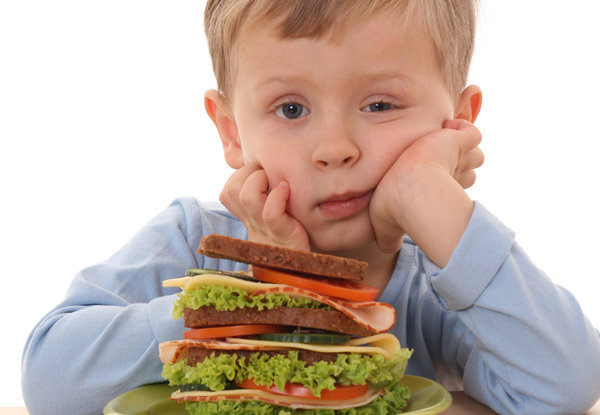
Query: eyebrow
column 279, row 79
column 382, row 76
column 386, row 75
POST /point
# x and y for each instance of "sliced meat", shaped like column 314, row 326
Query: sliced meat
column 329, row 320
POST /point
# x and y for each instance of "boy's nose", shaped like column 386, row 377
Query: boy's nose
column 335, row 150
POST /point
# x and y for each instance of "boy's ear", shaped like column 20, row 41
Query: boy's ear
column 469, row 104
column 219, row 112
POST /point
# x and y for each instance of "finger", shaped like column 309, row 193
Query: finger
column 233, row 185
column 284, row 230
column 467, row 178
column 470, row 155
column 229, row 195
column 470, row 160
column 474, row 158
column 457, row 124
column 465, row 172
column 274, row 207
column 283, row 226
column 469, row 135
column 274, row 212
column 253, row 194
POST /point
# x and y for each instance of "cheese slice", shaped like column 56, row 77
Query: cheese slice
column 375, row 316
column 384, row 344
column 275, row 399
column 189, row 283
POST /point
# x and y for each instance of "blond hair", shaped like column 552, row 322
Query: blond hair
column 450, row 25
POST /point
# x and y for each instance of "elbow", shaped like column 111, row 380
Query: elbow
column 47, row 396
column 37, row 401
column 47, row 383
column 44, row 394
column 575, row 388
column 581, row 380
column 580, row 386
column 41, row 381
column 573, row 395
column 36, row 380
column 574, row 373
column 568, row 385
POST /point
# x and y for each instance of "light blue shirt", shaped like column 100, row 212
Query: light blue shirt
column 489, row 322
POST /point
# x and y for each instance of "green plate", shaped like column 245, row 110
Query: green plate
column 428, row 398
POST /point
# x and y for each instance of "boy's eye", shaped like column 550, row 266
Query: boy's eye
column 378, row 107
column 291, row 111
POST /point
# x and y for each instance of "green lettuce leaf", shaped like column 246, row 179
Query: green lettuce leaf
column 216, row 372
column 392, row 402
column 225, row 298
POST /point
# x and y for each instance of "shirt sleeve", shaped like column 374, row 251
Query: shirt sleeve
column 531, row 349
column 102, row 340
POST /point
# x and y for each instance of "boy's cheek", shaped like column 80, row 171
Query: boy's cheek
column 247, row 158
column 400, row 143
column 275, row 168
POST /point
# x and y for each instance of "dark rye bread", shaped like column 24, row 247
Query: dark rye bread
column 285, row 259
column 329, row 320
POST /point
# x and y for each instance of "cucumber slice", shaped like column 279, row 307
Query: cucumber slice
column 193, row 387
column 192, row 272
column 201, row 387
column 314, row 338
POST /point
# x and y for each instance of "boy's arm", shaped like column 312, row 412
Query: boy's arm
column 422, row 194
column 102, row 340
column 528, row 347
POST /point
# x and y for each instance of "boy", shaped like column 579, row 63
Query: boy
column 350, row 127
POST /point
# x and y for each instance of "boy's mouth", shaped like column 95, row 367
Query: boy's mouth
column 345, row 204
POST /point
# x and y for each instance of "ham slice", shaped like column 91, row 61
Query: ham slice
column 175, row 350
column 375, row 316
column 385, row 344
column 275, row 399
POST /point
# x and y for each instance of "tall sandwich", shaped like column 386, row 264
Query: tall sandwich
column 298, row 334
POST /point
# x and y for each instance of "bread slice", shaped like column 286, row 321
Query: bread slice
column 284, row 259
column 329, row 320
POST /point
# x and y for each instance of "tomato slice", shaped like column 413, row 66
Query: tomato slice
column 345, row 289
column 230, row 331
column 340, row 392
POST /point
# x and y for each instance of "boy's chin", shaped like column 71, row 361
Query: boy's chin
column 353, row 244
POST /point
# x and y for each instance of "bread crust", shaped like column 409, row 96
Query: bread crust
column 329, row 320
column 281, row 258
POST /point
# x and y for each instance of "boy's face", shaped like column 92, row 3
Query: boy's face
column 330, row 117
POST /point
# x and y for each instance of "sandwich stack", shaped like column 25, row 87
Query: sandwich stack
column 298, row 334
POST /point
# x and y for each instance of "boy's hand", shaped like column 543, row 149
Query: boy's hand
column 422, row 193
column 262, row 210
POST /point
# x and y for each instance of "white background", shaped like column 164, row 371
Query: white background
column 102, row 125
